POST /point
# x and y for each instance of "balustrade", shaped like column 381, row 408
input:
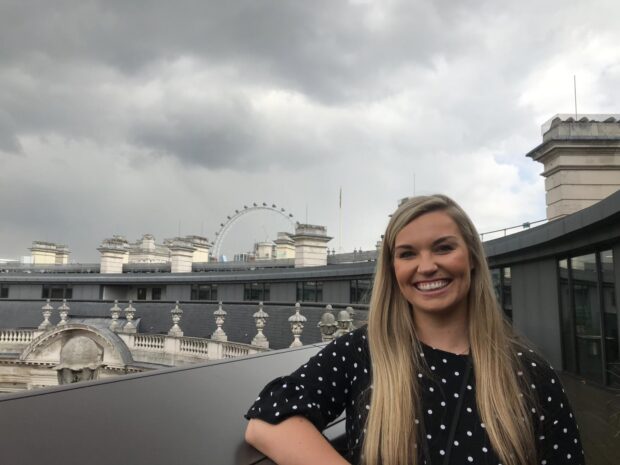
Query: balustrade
column 23, row 336
column 149, row 341
column 195, row 346
column 231, row 350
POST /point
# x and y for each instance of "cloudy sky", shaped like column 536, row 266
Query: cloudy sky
column 131, row 117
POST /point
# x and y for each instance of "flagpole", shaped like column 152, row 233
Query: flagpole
column 340, row 222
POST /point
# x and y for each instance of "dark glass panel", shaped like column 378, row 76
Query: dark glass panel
column 353, row 291
column 610, row 314
column 156, row 293
column 364, row 289
column 309, row 291
column 68, row 293
column 300, row 292
column 568, row 335
column 142, row 293
column 4, row 292
column 587, row 316
column 214, row 292
column 57, row 293
column 496, row 277
column 507, row 292
column 319, row 291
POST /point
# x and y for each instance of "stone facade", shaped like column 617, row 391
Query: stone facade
column 82, row 349
column 581, row 161
column 285, row 246
column 310, row 245
column 48, row 253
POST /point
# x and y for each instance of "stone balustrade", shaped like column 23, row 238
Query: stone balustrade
column 16, row 336
column 234, row 349
column 173, row 350
column 154, row 342
column 194, row 345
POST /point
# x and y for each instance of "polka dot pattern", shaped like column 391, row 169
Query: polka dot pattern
column 339, row 378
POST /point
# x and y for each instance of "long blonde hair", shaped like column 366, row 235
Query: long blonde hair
column 502, row 399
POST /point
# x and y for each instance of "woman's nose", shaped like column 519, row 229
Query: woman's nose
column 427, row 264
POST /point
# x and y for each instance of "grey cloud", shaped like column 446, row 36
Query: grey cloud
column 8, row 140
column 325, row 49
column 214, row 143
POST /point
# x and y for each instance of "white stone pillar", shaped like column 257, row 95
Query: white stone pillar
column 114, row 252
column 581, row 161
column 344, row 323
column 181, row 256
column 64, row 313
column 176, row 313
column 220, row 316
column 327, row 325
column 260, row 340
column 297, row 326
column 115, row 311
column 310, row 245
column 130, row 327
column 47, row 312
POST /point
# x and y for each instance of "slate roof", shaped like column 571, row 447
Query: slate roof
column 197, row 319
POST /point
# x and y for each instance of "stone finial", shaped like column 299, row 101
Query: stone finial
column 297, row 326
column 327, row 325
column 115, row 311
column 64, row 313
column 344, row 322
column 47, row 312
column 260, row 317
column 176, row 313
column 130, row 327
column 351, row 312
column 220, row 316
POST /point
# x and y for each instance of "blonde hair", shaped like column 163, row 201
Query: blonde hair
column 392, row 435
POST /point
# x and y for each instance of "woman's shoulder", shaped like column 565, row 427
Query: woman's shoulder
column 532, row 360
column 540, row 375
column 354, row 343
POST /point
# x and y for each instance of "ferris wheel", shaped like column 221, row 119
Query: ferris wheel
column 225, row 227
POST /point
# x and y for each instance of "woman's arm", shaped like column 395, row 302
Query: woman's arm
column 294, row 441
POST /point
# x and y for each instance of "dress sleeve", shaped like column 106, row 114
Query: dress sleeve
column 319, row 390
column 558, row 436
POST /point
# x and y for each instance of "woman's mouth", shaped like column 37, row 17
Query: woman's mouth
column 433, row 285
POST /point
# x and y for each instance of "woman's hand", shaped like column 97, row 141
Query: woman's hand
column 294, row 441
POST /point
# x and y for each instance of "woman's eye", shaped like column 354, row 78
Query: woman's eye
column 445, row 248
column 405, row 254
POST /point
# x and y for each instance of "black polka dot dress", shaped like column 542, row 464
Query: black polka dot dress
column 338, row 379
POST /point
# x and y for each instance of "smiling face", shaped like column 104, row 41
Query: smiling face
column 432, row 265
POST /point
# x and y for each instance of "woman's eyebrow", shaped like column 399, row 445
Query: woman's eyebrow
column 443, row 238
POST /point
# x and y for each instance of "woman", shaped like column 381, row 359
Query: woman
column 437, row 377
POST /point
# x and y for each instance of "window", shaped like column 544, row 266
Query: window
column 360, row 290
column 156, row 293
column 204, row 292
column 256, row 291
column 57, row 292
column 310, row 291
column 141, row 293
column 4, row 291
column 502, row 284
column 589, row 317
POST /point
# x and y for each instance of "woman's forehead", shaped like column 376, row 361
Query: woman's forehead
column 428, row 228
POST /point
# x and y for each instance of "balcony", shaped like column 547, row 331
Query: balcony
column 194, row 415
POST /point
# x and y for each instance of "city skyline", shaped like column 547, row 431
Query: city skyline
column 120, row 119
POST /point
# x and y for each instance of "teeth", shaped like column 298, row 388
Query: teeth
column 432, row 285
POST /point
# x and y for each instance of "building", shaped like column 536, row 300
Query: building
column 558, row 283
